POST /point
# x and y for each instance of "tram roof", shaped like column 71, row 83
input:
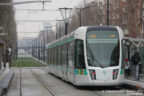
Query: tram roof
column 83, row 27
column 102, row 28
column 62, row 38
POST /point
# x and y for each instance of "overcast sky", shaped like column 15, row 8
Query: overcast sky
column 38, row 15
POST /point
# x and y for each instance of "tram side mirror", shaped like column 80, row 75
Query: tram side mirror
column 126, row 42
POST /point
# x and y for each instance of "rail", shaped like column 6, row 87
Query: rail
column 43, row 82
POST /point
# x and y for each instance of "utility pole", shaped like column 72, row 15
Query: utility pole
column 107, row 12
column 80, row 13
column 80, row 17
column 65, row 17
column 24, row 2
column 44, row 45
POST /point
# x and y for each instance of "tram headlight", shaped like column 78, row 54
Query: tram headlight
column 92, row 74
column 115, row 73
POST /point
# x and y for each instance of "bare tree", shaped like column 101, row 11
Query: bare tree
column 135, row 17
column 8, row 22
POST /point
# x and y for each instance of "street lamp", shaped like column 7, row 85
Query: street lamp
column 65, row 12
column 59, row 27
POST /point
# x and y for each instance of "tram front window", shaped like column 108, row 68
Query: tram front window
column 102, row 48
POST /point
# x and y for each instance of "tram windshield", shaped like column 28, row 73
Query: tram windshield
column 102, row 48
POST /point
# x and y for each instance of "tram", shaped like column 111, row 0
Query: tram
column 89, row 56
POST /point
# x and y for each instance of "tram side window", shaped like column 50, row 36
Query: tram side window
column 49, row 56
column 59, row 55
column 70, row 54
column 47, row 60
column 123, row 56
column 79, row 54
column 54, row 53
column 73, row 51
column 66, row 57
column 63, row 55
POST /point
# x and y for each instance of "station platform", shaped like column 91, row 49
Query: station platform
column 6, row 76
column 137, row 83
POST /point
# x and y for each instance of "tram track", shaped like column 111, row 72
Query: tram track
column 123, row 90
column 20, row 90
column 43, row 82
column 20, row 80
column 96, row 93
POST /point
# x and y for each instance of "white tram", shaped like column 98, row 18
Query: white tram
column 89, row 56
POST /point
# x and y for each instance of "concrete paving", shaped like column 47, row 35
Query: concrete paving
column 137, row 83
column 30, row 85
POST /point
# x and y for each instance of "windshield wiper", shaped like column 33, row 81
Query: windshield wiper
column 93, row 58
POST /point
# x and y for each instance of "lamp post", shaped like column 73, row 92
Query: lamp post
column 65, row 16
column 59, row 27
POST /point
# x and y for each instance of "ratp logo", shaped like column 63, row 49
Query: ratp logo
column 104, row 72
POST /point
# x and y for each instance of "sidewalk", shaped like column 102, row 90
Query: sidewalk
column 137, row 83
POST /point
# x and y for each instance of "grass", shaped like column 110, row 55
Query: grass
column 27, row 62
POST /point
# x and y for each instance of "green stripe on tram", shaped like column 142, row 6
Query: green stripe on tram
column 80, row 71
column 121, row 71
column 61, row 42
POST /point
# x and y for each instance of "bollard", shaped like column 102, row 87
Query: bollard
column 7, row 65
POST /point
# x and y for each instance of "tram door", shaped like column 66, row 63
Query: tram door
column 70, row 71
column 64, row 61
